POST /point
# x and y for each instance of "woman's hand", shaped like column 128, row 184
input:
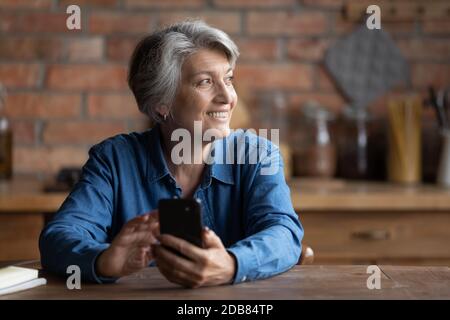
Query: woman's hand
column 209, row 266
column 130, row 250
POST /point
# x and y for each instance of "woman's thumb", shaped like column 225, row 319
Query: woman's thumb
column 210, row 239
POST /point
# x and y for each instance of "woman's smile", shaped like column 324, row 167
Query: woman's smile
column 218, row 115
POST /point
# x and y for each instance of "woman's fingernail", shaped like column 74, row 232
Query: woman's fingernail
column 206, row 228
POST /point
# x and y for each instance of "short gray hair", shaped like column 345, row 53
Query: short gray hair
column 155, row 66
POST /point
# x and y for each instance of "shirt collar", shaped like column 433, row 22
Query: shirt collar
column 157, row 167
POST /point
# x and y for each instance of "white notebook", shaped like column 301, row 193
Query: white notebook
column 24, row 286
column 13, row 279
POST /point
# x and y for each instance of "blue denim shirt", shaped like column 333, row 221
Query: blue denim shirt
column 127, row 175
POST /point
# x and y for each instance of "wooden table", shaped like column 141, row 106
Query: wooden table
column 301, row 282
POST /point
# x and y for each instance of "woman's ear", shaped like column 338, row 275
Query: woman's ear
column 162, row 110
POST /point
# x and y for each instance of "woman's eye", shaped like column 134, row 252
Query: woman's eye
column 204, row 82
column 229, row 80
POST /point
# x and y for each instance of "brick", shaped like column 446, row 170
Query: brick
column 25, row 4
column 30, row 48
column 123, row 23
column 47, row 159
column 307, row 49
column 436, row 27
column 120, row 49
column 17, row 75
column 89, row 3
column 86, row 77
column 43, row 106
column 226, row 21
column 325, row 4
column 79, row 132
column 113, row 106
column 343, row 26
column 257, row 49
column 253, row 3
column 426, row 74
column 23, row 132
column 425, row 49
column 164, row 3
column 286, row 23
column 325, row 82
column 332, row 101
column 85, row 49
column 34, row 22
column 284, row 76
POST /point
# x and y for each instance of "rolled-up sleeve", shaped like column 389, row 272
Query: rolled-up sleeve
column 273, row 230
column 79, row 231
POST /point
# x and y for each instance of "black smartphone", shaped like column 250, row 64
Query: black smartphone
column 181, row 218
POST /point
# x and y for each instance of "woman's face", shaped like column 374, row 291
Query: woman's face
column 206, row 93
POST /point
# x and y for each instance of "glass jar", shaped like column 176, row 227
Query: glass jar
column 273, row 106
column 315, row 154
column 274, row 109
column 353, row 144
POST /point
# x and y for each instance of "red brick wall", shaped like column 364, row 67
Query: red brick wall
column 67, row 89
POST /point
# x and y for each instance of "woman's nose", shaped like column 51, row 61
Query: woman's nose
column 223, row 94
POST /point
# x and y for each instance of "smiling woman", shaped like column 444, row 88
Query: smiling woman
column 158, row 63
column 109, row 224
column 206, row 92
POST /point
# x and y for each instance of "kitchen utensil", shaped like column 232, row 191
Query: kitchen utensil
column 366, row 64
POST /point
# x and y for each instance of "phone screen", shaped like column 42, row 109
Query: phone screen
column 181, row 218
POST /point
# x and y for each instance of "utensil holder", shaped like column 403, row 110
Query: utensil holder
column 404, row 156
